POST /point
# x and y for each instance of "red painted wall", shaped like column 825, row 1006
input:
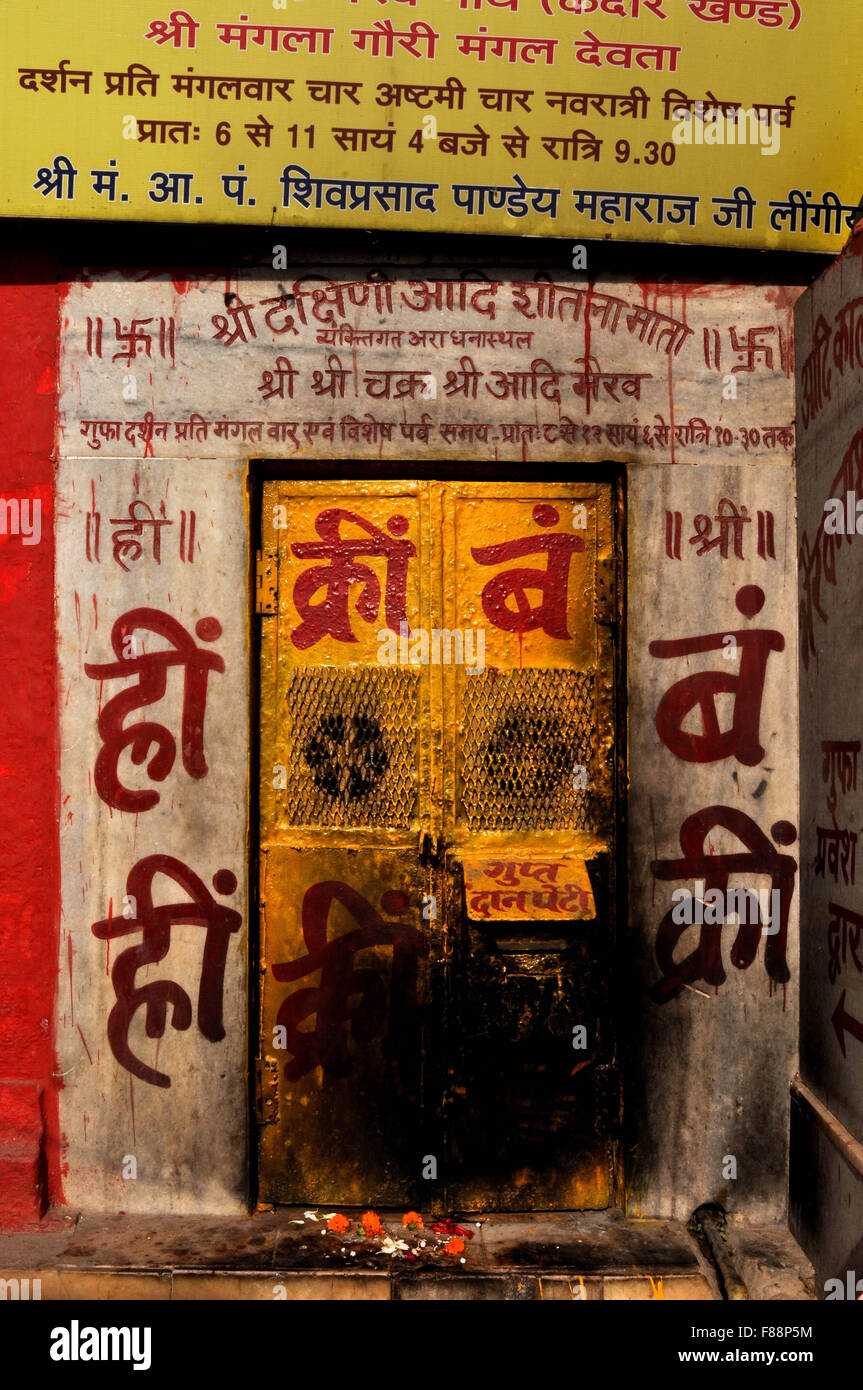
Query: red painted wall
column 29, row 762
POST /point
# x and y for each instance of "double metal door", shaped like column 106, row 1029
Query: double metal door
column 437, row 845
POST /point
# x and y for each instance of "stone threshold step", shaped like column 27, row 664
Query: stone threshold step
column 114, row 1285
column 288, row 1254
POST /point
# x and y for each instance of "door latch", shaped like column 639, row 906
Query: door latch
column 431, row 850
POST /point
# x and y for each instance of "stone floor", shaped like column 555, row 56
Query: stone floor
column 284, row 1255
column 770, row 1262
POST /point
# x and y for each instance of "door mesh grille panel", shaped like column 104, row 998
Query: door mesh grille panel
column 352, row 747
column 525, row 734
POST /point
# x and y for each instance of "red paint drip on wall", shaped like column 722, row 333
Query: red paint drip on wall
column 587, row 345
column 69, row 953
column 84, row 1041
column 672, row 421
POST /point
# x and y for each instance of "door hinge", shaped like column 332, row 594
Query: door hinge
column 608, row 1094
column 606, row 590
column 266, row 582
column 266, row 1091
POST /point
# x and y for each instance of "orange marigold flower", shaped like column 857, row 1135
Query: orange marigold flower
column 338, row 1223
column 454, row 1246
column 371, row 1225
column 412, row 1220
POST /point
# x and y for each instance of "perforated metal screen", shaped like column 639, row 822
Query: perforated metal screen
column 353, row 747
column 525, row 735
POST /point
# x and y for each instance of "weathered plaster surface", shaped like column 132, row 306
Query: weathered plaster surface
column 29, row 1150
column 292, row 368
column 188, row 1139
column 714, row 1062
column 830, row 465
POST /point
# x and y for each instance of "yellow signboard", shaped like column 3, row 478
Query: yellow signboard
column 712, row 121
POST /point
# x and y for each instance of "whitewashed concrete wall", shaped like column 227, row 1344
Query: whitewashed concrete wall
column 158, row 404
column 188, row 1139
column 307, row 366
column 715, row 1043
column 827, row 1153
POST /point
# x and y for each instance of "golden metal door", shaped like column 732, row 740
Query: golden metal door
column 437, row 817
column 530, row 1102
